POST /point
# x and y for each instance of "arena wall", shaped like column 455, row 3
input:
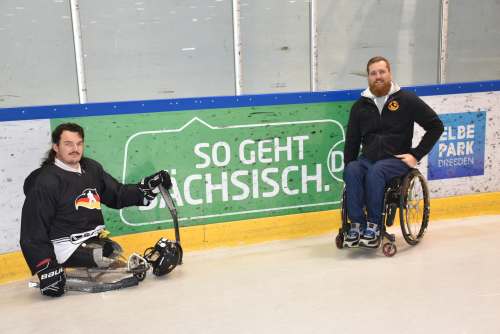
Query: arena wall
column 246, row 169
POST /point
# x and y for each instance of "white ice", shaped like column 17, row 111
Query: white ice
column 448, row 283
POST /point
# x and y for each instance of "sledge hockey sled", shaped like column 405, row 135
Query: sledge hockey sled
column 159, row 260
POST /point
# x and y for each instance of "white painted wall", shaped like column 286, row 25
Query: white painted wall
column 22, row 145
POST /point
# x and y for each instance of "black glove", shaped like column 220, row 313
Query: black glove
column 52, row 279
column 149, row 185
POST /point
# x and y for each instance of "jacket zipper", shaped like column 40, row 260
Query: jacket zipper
column 380, row 115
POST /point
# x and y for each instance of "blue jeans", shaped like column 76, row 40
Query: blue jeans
column 373, row 176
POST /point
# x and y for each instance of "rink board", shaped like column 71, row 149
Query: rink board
column 245, row 169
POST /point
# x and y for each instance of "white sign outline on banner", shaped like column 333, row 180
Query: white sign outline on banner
column 221, row 128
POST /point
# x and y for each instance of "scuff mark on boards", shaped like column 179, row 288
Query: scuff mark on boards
column 264, row 112
column 361, row 74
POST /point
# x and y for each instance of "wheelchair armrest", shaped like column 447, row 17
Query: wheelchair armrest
column 393, row 183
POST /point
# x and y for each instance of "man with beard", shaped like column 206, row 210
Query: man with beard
column 381, row 121
column 62, row 210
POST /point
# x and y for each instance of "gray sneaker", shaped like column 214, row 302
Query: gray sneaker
column 356, row 232
column 371, row 237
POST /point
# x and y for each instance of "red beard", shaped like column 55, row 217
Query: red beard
column 380, row 90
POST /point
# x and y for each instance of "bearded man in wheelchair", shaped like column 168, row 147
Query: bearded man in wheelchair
column 381, row 123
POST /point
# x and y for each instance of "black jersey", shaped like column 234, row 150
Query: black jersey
column 63, row 208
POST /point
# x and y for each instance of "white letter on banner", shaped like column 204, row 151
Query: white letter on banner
column 287, row 148
column 242, row 152
column 461, row 132
column 272, row 183
column 241, row 185
column 442, row 148
column 284, row 181
column 175, row 193
column 470, row 131
column 263, row 150
column 214, row 154
column 301, row 139
column 460, row 148
column 211, row 187
column 202, row 155
column 334, row 155
column 451, row 150
column 450, row 133
column 469, row 148
column 306, row 178
column 255, row 183
column 151, row 205
column 187, row 189
column 443, row 136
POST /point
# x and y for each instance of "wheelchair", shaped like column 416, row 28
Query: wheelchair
column 410, row 194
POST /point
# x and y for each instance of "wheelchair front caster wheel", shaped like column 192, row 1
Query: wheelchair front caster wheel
column 389, row 249
column 339, row 241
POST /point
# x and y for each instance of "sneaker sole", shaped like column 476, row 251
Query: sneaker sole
column 351, row 244
column 369, row 243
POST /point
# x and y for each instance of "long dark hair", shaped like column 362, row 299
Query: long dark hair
column 50, row 156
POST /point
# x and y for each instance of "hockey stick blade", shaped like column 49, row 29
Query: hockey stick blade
column 171, row 206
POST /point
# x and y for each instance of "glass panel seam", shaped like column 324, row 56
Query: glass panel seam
column 443, row 41
column 79, row 56
column 238, row 62
column 314, row 44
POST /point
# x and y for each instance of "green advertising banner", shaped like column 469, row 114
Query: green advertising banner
column 226, row 164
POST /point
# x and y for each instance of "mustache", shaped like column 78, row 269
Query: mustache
column 75, row 153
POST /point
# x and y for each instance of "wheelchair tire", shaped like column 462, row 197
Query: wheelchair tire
column 414, row 207
column 339, row 241
column 389, row 252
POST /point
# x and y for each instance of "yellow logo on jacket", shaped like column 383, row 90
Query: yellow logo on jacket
column 393, row 105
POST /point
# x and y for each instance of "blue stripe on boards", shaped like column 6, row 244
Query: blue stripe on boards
column 221, row 102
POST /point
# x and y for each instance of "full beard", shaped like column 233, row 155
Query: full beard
column 380, row 90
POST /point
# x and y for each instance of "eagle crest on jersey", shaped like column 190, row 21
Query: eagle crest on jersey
column 88, row 199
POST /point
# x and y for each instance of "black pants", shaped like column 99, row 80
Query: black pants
column 90, row 254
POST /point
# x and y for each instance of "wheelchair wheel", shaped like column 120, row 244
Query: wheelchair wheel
column 389, row 250
column 339, row 241
column 414, row 207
